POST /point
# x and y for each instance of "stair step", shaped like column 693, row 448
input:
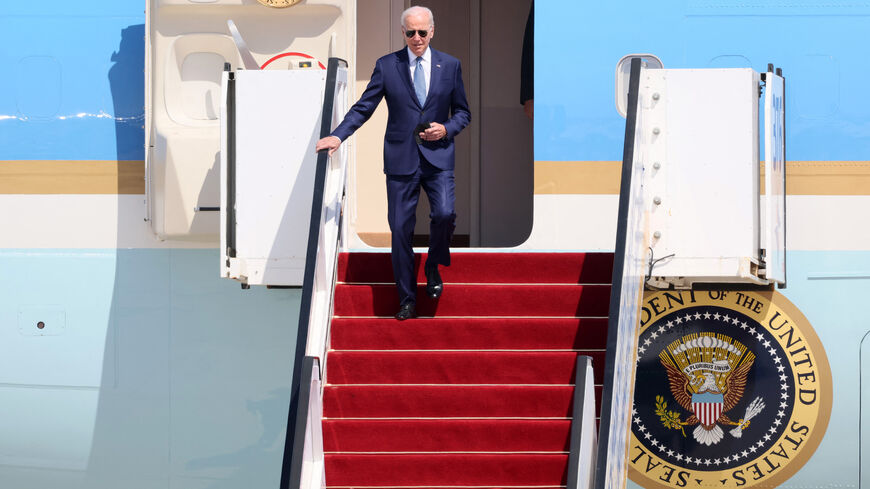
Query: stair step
column 449, row 435
column 446, row 469
column 450, row 401
column 554, row 268
column 469, row 333
column 479, row 300
column 453, row 367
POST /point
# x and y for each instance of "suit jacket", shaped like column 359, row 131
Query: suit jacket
column 445, row 104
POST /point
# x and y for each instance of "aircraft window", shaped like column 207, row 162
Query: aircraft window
column 201, row 85
column 192, row 77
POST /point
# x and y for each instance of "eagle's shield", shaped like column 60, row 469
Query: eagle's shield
column 707, row 407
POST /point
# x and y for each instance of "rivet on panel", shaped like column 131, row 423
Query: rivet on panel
column 657, row 200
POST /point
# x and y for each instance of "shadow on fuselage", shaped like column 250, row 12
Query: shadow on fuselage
column 194, row 369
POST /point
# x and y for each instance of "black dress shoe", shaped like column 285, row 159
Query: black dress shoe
column 434, row 285
column 407, row 311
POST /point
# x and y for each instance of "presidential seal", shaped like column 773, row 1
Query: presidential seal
column 733, row 389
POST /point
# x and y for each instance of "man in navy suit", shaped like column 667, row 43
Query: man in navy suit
column 422, row 87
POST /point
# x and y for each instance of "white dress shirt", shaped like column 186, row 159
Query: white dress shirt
column 427, row 65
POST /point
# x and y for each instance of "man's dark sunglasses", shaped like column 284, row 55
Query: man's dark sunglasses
column 409, row 34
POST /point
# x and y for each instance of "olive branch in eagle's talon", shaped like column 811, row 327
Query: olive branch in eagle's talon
column 670, row 419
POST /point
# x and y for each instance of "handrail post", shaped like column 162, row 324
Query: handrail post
column 582, row 440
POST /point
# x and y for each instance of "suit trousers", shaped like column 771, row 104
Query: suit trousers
column 403, row 192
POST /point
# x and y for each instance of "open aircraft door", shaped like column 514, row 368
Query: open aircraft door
column 699, row 139
column 188, row 43
column 270, row 122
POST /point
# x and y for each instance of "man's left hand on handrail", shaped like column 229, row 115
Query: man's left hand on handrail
column 330, row 143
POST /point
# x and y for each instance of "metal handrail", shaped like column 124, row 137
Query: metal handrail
column 291, row 470
column 625, row 296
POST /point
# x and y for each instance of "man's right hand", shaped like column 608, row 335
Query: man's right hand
column 329, row 142
column 529, row 109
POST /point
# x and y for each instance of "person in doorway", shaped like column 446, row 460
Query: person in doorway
column 427, row 109
column 527, row 67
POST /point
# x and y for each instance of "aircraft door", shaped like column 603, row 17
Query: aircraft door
column 187, row 45
column 270, row 123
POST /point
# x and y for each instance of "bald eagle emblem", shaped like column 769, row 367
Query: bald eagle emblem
column 707, row 377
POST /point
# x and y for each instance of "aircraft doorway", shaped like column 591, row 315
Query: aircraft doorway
column 494, row 155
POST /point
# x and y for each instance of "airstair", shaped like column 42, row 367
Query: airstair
column 494, row 385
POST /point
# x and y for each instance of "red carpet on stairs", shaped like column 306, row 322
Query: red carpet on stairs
column 476, row 393
column 478, row 300
column 449, row 435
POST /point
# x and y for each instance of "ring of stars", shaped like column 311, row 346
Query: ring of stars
column 770, row 434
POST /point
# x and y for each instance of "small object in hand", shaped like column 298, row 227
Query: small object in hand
column 420, row 128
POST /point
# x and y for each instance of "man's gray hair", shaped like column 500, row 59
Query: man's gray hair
column 418, row 10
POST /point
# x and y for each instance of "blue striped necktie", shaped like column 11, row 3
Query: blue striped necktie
column 420, row 81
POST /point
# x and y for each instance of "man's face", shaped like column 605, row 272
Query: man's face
column 415, row 23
